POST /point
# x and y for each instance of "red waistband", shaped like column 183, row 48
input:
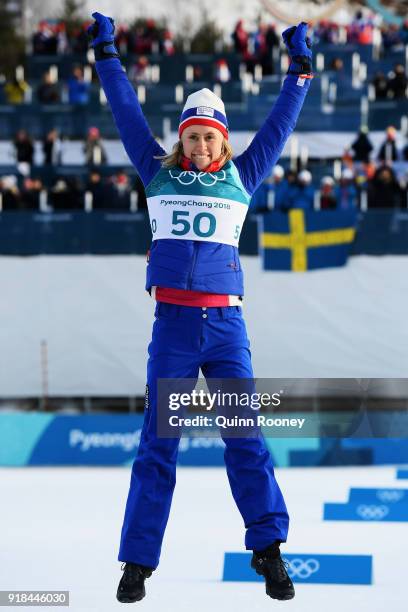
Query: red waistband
column 185, row 297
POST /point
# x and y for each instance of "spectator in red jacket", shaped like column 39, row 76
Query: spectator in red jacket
column 241, row 39
column 328, row 199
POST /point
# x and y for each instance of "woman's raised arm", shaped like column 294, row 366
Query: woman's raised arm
column 134, row 131
column 256, row 163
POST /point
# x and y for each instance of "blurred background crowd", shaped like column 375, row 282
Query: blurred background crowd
column 59, row 147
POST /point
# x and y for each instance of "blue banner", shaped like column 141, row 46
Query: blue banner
column 302, row 240
column 402, row 474
column 100, row 439
column 366, row 511
column 352, row 451
column 379, row 232
column 38, row 438
column 74, row 233
column 386, row 496
column 305, row 568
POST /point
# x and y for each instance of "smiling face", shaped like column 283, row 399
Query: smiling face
column 202, row 145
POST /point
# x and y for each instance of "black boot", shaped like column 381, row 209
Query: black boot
column 131, row 586
column 269, row 563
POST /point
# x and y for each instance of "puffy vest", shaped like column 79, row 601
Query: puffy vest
column 196, row 220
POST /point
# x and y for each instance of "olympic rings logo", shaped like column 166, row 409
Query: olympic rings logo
column 372, row 512
column 207, row 179
column 390, row 496
column 302, row 568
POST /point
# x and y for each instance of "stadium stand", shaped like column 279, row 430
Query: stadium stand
column 53, row 103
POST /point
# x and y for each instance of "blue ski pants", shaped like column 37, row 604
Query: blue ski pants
column 184, row 340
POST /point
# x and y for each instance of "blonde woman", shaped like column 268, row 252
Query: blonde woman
column 198, row 197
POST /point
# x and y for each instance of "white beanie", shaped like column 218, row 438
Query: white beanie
column 347, row 174
column 278, row 172
column 305, row 176
column 203, row 107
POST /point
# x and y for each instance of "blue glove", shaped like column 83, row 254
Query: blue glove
column 102, row 35
column 299, row 49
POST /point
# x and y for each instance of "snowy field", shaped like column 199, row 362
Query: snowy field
column 60, row 530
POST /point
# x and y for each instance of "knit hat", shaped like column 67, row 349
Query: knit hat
column 203, row 107
column 347, row 174
column 278, row 172
column 305, row 177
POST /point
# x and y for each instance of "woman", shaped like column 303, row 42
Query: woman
column 195, row 275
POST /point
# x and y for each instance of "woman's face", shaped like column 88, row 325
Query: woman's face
column 202, row 144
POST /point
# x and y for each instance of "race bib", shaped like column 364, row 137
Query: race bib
column 185, row 217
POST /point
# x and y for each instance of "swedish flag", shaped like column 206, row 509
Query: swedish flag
column 302, row 240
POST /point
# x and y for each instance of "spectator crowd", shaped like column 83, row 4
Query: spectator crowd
column 365, row 181
column 254, row 46
column 147, row 37
column 70, row 193
column 392, row 85
column 285, row 191
column 76, row 90
column 100, row 185
column 381, row 175
column 365, row 171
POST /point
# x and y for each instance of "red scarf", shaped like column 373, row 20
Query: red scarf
column 187, row 164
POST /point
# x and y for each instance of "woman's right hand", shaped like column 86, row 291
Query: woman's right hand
column 102, row 31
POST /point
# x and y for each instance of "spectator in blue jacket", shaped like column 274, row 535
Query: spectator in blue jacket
column 300, row 194
column 78, row 88
column 346, row 191
column 328, row 198
column 271, row 195
column 280, row 187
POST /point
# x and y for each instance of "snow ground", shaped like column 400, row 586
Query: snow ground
column 60, row 530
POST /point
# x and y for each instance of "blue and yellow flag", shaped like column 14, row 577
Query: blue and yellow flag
column 302, row 240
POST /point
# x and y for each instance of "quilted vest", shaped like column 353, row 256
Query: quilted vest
column 196, row 220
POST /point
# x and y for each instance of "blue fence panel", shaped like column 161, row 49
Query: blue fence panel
column 305, row 568
column 368, row 512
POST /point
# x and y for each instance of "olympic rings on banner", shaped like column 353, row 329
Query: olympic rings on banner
column 302, row 568
column 372, row 512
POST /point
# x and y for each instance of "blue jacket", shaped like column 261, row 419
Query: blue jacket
column 346, row 197
column 301, row 196
column 189, row 264
column 260, row 199
column 78, row 91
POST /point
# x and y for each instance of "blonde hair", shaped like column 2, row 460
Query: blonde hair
column 174, row 158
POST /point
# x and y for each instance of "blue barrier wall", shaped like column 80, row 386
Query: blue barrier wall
column 35, row 438
column 379, row 232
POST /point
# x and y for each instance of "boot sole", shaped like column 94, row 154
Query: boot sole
column 281, row 597
column 128, row 599
column 274, row 595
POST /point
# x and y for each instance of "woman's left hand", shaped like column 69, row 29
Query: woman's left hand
column 299, row 46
